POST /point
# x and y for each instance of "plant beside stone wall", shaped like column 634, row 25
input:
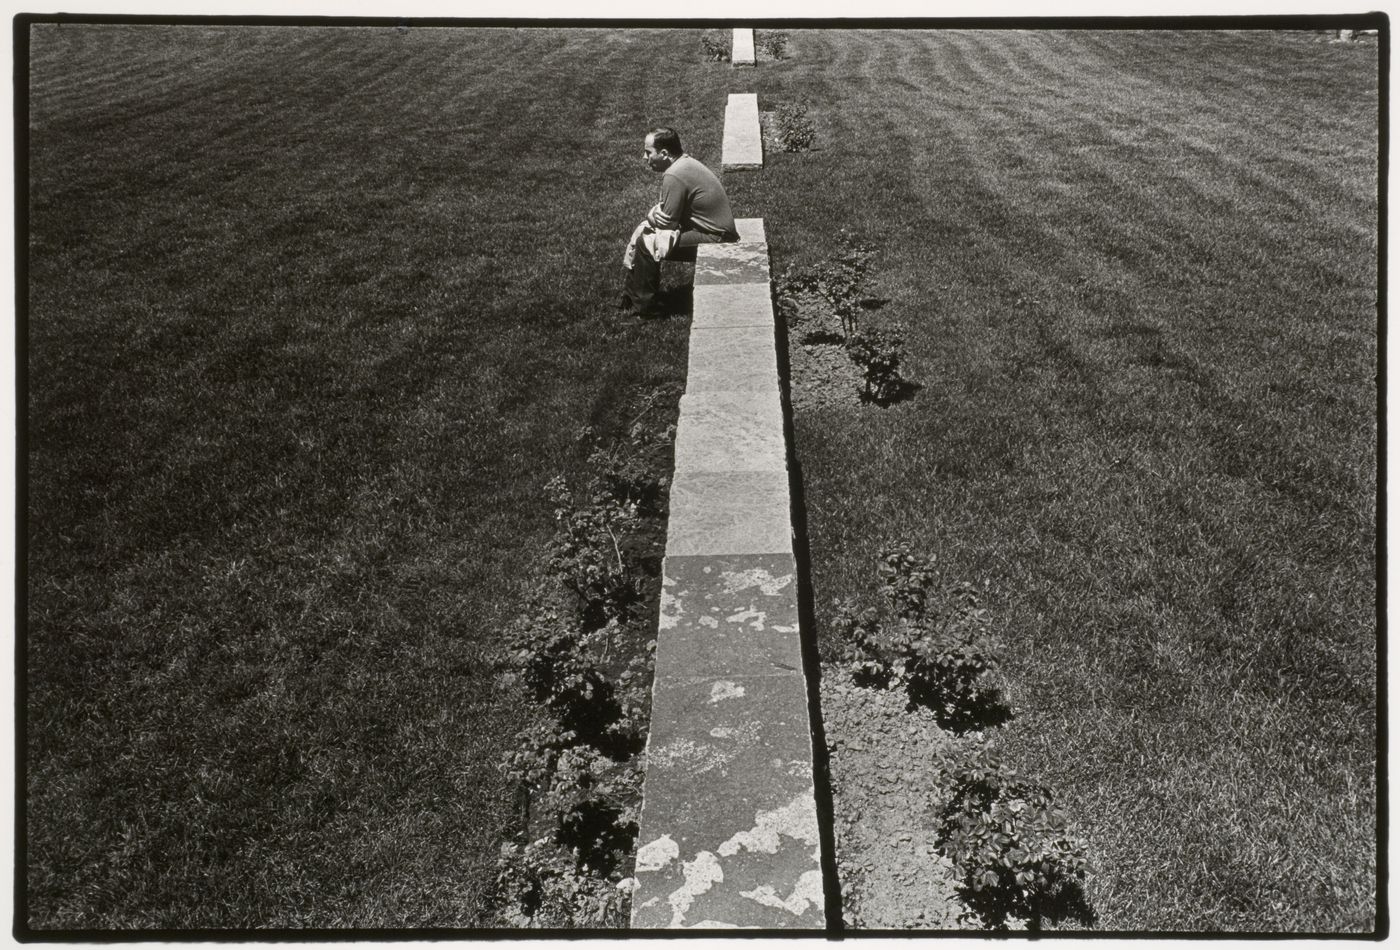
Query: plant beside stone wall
column 839, row 282
column 582, row 657
column 1013, row 850
column 715, row 46
column 878, row 354
column 1011, row 846
column 772, row 42
column 796, row 133
column 929, row 640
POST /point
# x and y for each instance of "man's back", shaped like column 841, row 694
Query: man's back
column 693, row 196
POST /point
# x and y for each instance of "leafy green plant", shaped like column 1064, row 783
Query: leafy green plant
column 586, row 553
column 541, row 884
column 837, row 280
column 557, row 663
column 795, row 130
column 772, row 42
column 1012, row 847
column 595, row 799
column 714, row 46
column 537, row 749
column 931, row 640
column 634, row 469
column 878, row 355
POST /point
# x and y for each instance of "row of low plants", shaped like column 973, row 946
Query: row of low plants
column 581, row 655
column 838, row 283
column 714, row 44
column 1014, row 851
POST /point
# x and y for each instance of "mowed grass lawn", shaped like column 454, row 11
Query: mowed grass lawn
column 314, row 313
column 1136, row 273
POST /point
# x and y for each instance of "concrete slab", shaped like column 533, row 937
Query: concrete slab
column 741, row 48
column 728, row 306
column 742, row 146
column 741, row 359
column 729, row 513
column 731, row 432
column 737, row 263
column 728, row 831
column 750, row 230
column 728, row 613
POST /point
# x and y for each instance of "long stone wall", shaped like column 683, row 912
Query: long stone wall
column 728, row 833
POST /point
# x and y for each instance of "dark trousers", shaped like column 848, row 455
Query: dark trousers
column 644, row 279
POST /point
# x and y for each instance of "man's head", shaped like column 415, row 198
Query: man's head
column 661, row 147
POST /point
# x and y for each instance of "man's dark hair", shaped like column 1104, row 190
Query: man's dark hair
column 666, row 138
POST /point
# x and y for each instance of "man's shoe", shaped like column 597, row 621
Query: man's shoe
column 625, row 303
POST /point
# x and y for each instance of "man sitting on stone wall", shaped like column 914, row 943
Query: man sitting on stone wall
column 693, row 210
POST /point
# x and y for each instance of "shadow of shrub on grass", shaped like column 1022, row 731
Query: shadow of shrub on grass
column 899, row 391
column 986, row 709
column 1065, row 902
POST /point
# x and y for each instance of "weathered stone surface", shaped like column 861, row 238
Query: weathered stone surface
column 731, row 432
column 724, row 306
column 741, row 48
column 729, row 513
column 743, row 142
column 750, row 230
column 741, row 359
column 723, row 614
column 737, row 263
column 729, row 834
column 728, row 830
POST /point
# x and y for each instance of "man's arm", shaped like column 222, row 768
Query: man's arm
column 668, row 213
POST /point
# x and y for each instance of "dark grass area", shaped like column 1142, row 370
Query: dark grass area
column 314, row 315
column 1136, row 273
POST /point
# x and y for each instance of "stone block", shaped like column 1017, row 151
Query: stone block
column 729, row 513
column 727, row 614
column 731, row 432
column 741, row 359
column 751, row 230
column 742, row 145
column 728, row 306
column 728, row 831
column 737, row 263
column 741, row 48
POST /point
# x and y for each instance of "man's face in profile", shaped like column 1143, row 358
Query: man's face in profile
column 657, row 161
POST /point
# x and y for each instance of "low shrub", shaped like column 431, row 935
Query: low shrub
column 540, row 885
column 1011, row 847
column 586, row 552
column 772, row 42
column 931, row 641
column 838, row 280
column 577, row 764
column 714, row 46
column 795, row 131
column 878, row 355
column 633, row 469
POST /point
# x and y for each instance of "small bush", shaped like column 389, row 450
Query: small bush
column 931, row 642
column 772, row 42
column 1011, row 847
column 714, row 46
column 838, row 280
column 586, row 552
column 878, row 355
column 633, row 470
column 795, row 131
column 540, row 885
